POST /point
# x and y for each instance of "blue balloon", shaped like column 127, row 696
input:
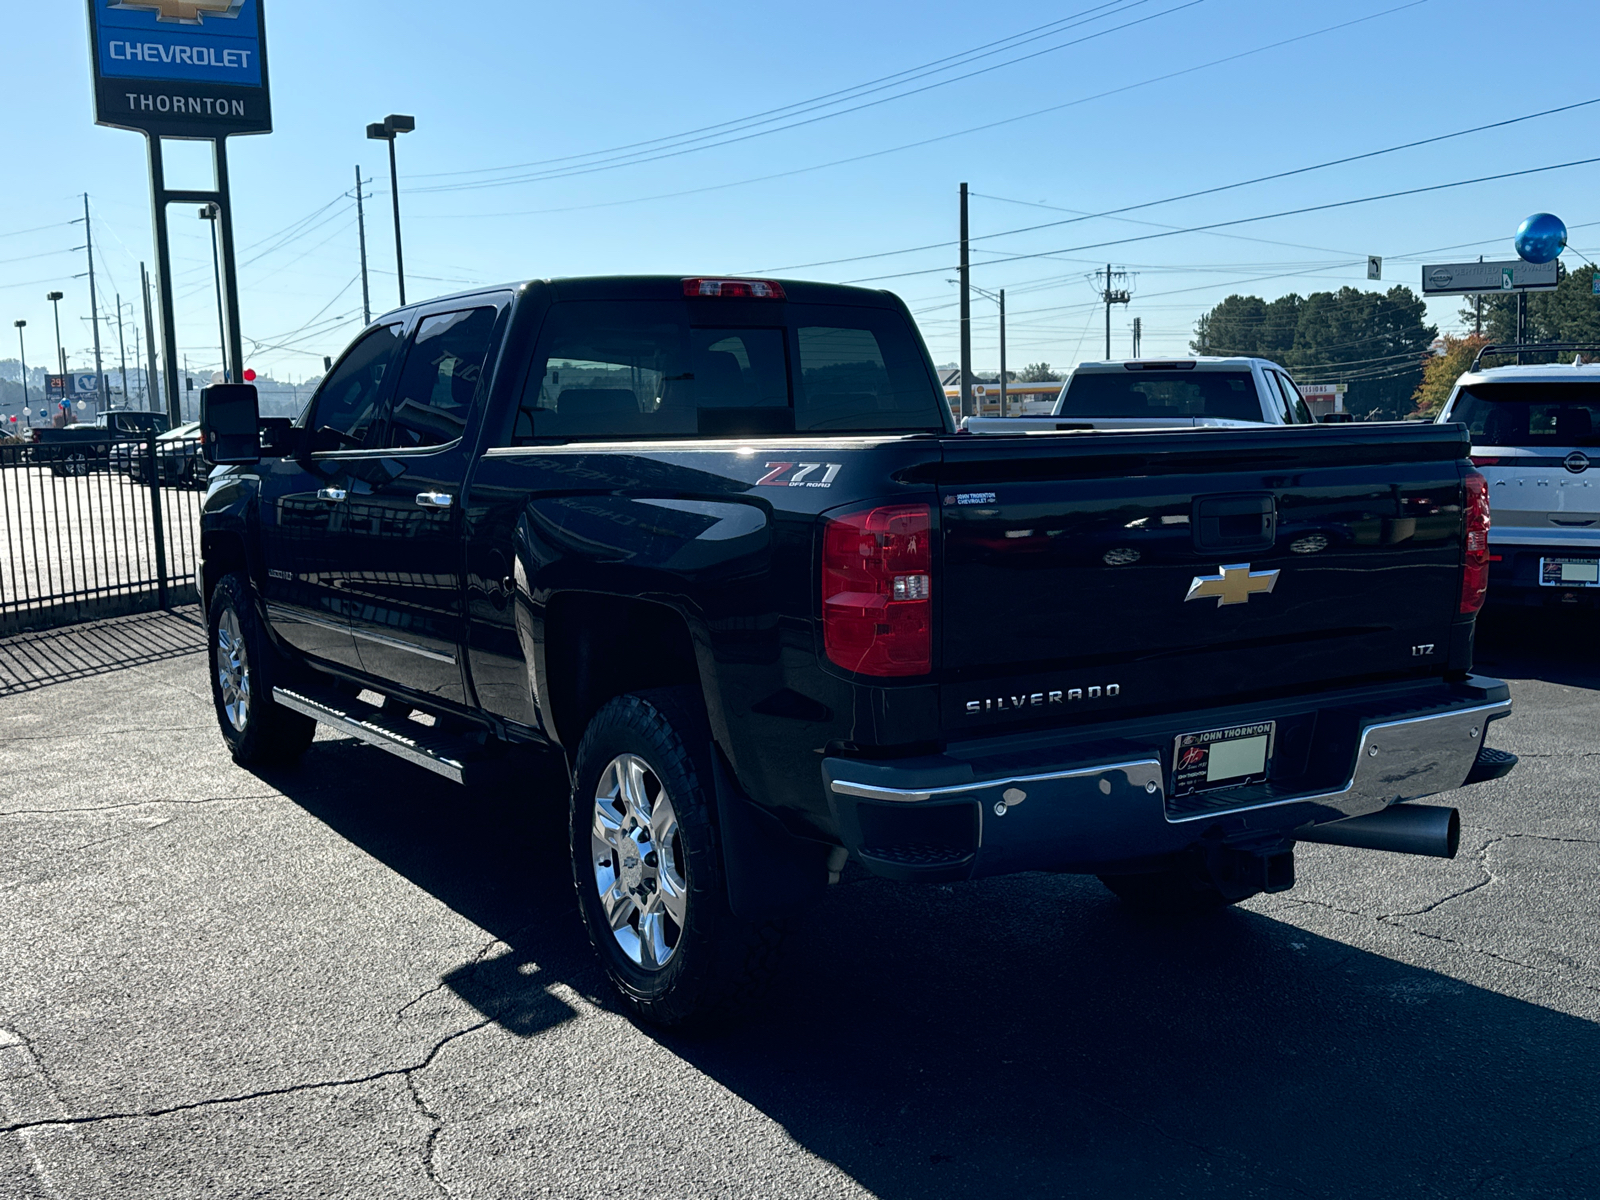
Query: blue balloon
column 1541, row 238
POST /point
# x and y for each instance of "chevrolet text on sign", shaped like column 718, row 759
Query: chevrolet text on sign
column 178, row 68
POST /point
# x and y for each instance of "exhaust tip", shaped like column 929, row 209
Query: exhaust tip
column 1401, row 829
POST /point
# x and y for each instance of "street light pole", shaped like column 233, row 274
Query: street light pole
column 55, row 299
column 210, row 212
column 22, row 349
column 391, row 127
column 1000, row 299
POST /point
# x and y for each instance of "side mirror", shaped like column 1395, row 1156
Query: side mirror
column 230, row 424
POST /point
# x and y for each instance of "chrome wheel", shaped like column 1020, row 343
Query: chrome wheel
column 639, row 862
column 233, row 670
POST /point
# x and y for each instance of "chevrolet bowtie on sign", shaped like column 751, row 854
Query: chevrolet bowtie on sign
column 188, row 12
column 1233, row 585
column 180, row 68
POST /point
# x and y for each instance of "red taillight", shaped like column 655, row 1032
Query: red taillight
column 734, row 289
column 1485, row 460
column 1475, row 519
column 877, row 590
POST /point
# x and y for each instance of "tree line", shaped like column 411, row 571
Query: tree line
column 1379, row 343
column 1376, row 342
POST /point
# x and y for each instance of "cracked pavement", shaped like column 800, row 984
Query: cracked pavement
column 353, row 979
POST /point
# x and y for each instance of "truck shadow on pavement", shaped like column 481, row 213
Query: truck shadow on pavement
column 1554, row 645
column 1028, row 1037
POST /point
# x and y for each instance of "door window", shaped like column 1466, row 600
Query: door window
column 344, row 416
column 1294, row 402
column 440, row 378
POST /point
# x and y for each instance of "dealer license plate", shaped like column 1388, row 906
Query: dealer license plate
column 1222, row 758
column 1569, row 572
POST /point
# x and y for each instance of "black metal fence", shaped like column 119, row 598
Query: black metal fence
column 97, row 528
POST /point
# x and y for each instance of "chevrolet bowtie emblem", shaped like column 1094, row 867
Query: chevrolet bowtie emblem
column 184, row 12
column 1235, row 585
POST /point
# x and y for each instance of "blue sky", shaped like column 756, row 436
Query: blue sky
column 496, row 84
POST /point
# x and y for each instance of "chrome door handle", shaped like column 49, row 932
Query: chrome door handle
column 435, row 499
column 331, row 493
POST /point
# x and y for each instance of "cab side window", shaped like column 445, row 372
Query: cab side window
column 609, row 369
column 440, row 378
column 1296, row 402
column 344, row 416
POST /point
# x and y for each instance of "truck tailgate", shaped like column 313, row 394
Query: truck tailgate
column 1089, row 576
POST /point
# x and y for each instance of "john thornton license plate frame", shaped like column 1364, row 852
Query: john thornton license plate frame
column 1212, row 759
column 1569, row 572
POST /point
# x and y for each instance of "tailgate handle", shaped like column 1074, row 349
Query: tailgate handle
column 1237, row 523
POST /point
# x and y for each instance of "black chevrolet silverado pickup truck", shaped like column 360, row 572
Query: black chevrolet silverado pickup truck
column 717, row 544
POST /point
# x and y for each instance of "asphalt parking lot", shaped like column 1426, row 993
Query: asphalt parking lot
column 353, row 979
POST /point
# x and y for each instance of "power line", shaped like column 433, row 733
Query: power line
column 639, row 160
column 825, row 100
column 1211, row 191
column 37, row 229
column 1290, row 212
column 929, row 141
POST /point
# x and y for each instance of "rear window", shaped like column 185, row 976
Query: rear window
column 1530, row 414
column 645, row 369
column 1228, row 395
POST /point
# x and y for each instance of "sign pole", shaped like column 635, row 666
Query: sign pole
column 230, row 276
column 169, row 328
column 192, row 69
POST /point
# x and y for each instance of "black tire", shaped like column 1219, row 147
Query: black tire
column 1175, row 891
column 244, row 664
column 712, row 958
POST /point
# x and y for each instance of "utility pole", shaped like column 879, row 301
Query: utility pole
column 122, row 352
column 1003, row 412
column 1113, row 295
column 361, row 232
column 966, row 314
column 1136, row 332
column 94, row 310
column 138, row 357
column 151, row 390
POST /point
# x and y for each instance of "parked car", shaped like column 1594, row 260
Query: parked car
column 1536, row 438
column 715, row 544
column 81, row 448
column 177, row 454
column 1166, row 393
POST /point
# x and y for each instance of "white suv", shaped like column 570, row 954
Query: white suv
column 1535, row 436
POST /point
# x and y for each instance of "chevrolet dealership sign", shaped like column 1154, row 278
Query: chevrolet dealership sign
column 181, row 68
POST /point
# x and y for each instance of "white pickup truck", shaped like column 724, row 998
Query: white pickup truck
column 1165, row 393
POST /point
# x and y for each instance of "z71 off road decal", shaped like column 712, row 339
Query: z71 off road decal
column 800, row 475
